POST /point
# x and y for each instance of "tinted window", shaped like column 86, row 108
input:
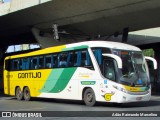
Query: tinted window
column 16, row 64
column 109, row 69
column 63, row 59
column 34, row 63
column 48, row 61
column 7, row 65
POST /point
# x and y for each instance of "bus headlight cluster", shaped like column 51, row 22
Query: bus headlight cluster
column 120, row 89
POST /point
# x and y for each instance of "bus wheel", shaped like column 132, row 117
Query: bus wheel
column 26, row 93
column 89, row 97
column 19, row 93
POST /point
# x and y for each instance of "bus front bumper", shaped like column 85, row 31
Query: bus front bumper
column 121, row 97
column 126, row 97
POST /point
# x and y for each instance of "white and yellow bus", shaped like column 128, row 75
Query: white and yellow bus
column 89, row 71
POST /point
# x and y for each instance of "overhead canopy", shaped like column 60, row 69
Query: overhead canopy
column 84, row 17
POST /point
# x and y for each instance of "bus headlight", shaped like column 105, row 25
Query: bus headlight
column 120, row 89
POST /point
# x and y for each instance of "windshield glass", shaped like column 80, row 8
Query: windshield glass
column 133, row 71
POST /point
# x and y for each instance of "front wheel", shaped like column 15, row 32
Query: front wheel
column 19, row 93
column 89, row 97
column 26, row 93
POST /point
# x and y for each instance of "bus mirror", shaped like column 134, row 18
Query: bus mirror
column 153, row 60
column 117, row 58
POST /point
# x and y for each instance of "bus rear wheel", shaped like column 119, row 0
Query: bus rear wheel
column 19, row 93
column 89, row 97
column 26, row 93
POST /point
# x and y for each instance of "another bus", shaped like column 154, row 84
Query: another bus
column 90, row 71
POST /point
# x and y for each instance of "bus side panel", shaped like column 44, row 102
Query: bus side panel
column 10, row 83
column 78, row 80
column 6, row 79
column 59, row 83
column 33, row 79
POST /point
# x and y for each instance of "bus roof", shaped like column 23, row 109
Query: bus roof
column 107, row 44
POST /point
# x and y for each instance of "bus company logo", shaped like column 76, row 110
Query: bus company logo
column 29, row 75
column 108, row 96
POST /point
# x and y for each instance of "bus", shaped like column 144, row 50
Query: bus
column 92, row 71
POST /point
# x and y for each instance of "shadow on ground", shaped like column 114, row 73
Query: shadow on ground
column 98, row 104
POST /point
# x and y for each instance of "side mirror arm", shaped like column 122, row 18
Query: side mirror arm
column 153, row 60
column 117, row 58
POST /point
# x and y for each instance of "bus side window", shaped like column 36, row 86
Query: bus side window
column 8, row 64
column 41, row 62
column 54, row 61
column 15, row 64
column 25, row 63
column 20, row 64
column 98, row 55
column 75, row 58
column 83, row 59
column 79, row 58
column 68, row 59
column 86, row 60
column 62, row 59
column 34, row 63
column 48, row 61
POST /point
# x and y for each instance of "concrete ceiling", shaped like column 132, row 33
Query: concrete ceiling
column 86, row 17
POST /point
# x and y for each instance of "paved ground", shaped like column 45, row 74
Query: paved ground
column 8, row 103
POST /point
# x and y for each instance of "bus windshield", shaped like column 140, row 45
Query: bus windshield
column 133, row 71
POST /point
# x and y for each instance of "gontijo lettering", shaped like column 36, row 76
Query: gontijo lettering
column 29, row 75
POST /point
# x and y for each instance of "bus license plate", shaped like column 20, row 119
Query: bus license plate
column 139, row 98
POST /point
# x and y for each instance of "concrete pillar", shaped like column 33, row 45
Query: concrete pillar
column 157, row 73
column 125, row 35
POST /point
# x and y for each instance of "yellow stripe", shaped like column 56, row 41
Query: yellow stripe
column 132, row 89
column 40, row 52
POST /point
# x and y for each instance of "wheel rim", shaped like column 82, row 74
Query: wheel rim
column 26, row 93
column 19, row 93
column 89, row 97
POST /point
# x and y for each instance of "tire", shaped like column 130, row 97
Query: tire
column 89, row 97
column 26, row 93
column 19, row 93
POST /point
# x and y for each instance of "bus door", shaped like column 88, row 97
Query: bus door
column 109, row 69
column 152, row 66
column 152, row 75
column 111, row 65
